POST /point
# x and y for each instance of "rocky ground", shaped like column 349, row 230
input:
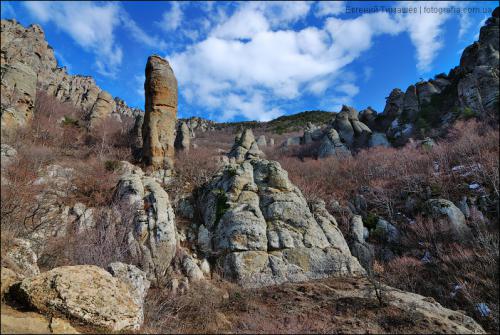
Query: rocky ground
column 118, row 220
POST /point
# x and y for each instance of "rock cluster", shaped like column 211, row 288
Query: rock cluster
column 158, row 129
column 245, row 147
column 259, row 227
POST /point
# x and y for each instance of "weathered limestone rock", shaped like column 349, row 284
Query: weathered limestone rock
column 152, row 239
column 261, row 230
column 359, row 248
column 158, row 130
column 332, row 146
column 22, row 259
column 378, row 140
column 261, row 141
column 18, row 93
column 244, row 147
column 84, row 292
column 16, row 322
column 183, row 137
column 135, row 279
column 102, row 108
column 456, row 219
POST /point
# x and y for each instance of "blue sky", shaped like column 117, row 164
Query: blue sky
column 256, row 60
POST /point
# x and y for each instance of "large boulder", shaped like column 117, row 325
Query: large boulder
column 259, row 228
column 158, row 130
column 444, row 208
column 152, row 237
column 359, row 248
column 83, row 292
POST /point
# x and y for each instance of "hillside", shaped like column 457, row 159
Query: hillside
column 118, row 220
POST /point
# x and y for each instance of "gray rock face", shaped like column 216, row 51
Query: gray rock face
column 445, row 208
column 18, row 93
column 262, row 141
column 102, row 108
column 332, row 146
column 29, row 45
column 378, row 140
column 183, row 137
column 425, row 91
column 296, row 140
column 262, row 231
column 152, row 239
column 387, row 231
column 22, row 258
column 359, row 248
column 136, row 281
column 160, row 118
column 245, row 147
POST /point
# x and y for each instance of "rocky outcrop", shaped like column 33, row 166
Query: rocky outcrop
column 198, row 125
column 152, row 238
column 38, row 63
column 245, row 147
column 18, row 93
column 17, row 322
column 102, row 109
column 332, row 146
column 158, row 130
column 470, row 89
column 183, row 137
column 258, row 226
column 83, row 292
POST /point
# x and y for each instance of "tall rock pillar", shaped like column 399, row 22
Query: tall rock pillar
column 158, row 129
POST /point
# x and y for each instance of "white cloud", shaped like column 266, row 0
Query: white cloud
column 329, row 8
column 425, row 31
column 367, row 73
column 481, row 23
column 172, row 19
column 246, row 67
column 91, row 26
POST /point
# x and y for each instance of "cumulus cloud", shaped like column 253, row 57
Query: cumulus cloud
column 425, row 31
column 329, row 8
column 251, row 62
column 90, row 25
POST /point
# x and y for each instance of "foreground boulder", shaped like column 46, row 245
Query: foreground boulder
column 245, row 147
column 83, row 292
column 258, row 226
column 160, row 118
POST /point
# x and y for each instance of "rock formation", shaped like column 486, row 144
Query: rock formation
column 183, row 137
column 28, row 63
column 258, row 226
column 158, row 130
column 360, row 249
column 152, row 238
column 84, row 292
column 102, row 109
column 244, row 147
column 18, row 93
